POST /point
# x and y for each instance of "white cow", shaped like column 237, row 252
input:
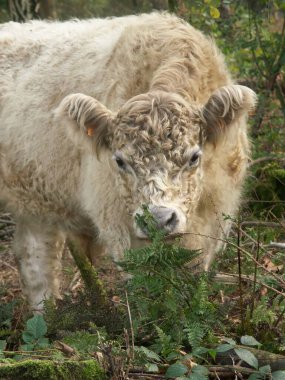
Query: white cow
column 100, row 117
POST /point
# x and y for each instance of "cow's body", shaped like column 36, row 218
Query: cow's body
column 51, row 178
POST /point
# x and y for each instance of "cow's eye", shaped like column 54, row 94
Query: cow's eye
column 194, row 160
column 120, row 161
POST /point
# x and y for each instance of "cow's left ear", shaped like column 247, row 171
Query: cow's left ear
column 225, row 107
column 87, row 120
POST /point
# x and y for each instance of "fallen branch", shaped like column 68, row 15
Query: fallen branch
column 231, row 279
column 273, row 244
column 278, row 278
column 276, row 361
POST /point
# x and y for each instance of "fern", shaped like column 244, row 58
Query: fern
column 262, row 314
column 163, row 292
column 195, row 333
column 164, row 343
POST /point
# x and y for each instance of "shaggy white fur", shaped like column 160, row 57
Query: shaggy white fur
column 99, row 117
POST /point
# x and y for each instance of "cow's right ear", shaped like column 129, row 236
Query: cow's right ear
column 88, row 121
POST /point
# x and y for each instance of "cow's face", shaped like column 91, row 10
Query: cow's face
column 157, row 140
column 157, row 152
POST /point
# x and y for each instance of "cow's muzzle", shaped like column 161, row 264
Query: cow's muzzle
column 165, row 219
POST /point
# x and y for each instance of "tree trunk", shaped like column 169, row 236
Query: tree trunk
column 23, row 10
column 47, row 9
column 159, row 4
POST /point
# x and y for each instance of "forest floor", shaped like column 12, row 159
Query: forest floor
column 72, row 286
column 71, row 281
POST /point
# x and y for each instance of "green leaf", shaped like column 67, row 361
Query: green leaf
column 199, row 372
column 28, row 337
column 225, row 347
column 247, row 356
column 36, row 326
column 197, row 376
column 27, row 347
column 42, row 343
column 265, row 369
column 278, row 375
column 173, row 356
column 248, row 340
column 257, row 376
column 230, row 341
column 214, row 12
column 176, row 370
column 150, row 354
column 152, row 367
column 212, row 353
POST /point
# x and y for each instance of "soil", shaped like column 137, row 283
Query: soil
column 71, row 282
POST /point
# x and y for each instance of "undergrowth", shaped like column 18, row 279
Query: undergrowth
column 163, row 293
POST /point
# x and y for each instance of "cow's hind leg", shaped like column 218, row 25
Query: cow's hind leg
column 38, row 251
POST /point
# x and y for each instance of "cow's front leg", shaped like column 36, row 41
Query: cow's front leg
column 38, row 253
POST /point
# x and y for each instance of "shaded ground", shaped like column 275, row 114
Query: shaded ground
column 71, row 282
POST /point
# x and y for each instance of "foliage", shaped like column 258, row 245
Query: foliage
column 248, row 356
column 267, row 185
column 173, row 309
column 6, row 314
column 163, row 290
column 34, row 334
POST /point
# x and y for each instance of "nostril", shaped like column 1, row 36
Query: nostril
column 163, row 218
column 172, row 221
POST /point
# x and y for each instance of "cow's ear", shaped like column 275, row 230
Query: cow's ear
column 226, row 106
column 88, row 120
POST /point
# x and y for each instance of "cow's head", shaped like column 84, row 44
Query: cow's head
column 157, row 141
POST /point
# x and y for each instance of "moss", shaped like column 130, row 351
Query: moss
column 91, row 306
column 89, row 275
column 50, row 370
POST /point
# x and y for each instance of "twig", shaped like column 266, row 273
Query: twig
column 107, row 350
column 131, row 326
column 273, row 244
column 255, row 273
column 278, row 278
column 257, row 223
column 240, row 276
column 264, row 159
column 8, row 265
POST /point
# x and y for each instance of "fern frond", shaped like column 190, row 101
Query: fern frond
column 195, row 333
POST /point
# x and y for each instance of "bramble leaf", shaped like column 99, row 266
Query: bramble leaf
column 176, row 370
column 248, row 340
column 247, row 356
